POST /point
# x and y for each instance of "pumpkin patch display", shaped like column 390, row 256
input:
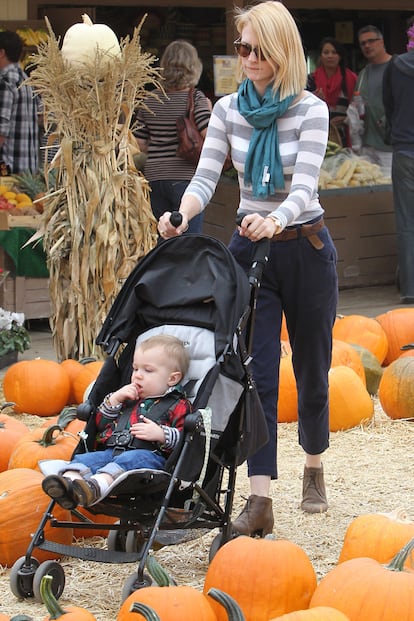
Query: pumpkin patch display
column 396, row 388
column 349, row 401
column 398, row 324
column 364, row 331
column 84, row 41
column 37, row 386
column 365, row 590
column 22, row 504
column 267, row 577
column 11, row 431
column 377, row 535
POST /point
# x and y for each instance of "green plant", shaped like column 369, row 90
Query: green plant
column 13, row 334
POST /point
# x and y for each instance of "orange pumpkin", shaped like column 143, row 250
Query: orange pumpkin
column 344, row 354
column 37, row 386
column 366, row 590
column 396, row 388
column 377, row 535
column 72, row 368
column 349, row 400
column 287, row 405
column 67, row 421
column 22, row 505
column 266, row 577
column 11, row 431
column 41, row 443
column 398, row 324
column 175, row 603
column 71, row 613
column 84, row 378
column 321, row 613
column 364, row 331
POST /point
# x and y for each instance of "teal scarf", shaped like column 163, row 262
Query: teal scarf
column 263, row 168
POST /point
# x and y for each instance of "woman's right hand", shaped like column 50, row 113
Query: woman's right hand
column 167, row 230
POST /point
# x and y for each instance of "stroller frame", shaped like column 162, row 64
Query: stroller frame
column 132, row 538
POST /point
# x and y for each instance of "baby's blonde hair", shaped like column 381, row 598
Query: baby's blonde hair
column 174, row 349
column 280, row 41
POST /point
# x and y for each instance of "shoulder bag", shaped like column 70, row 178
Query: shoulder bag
column 190, row 141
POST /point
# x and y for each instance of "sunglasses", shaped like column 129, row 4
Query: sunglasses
column 245, row 49
column 368, row 42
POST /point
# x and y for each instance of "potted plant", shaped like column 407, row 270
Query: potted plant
column 14, row 337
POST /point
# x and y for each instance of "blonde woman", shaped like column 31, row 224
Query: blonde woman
column 277, row 132
column 157, row 136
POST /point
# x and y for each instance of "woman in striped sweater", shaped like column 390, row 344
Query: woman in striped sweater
column 276, row 133
column 168, row 174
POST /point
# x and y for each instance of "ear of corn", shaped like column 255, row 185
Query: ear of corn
column 97, row 220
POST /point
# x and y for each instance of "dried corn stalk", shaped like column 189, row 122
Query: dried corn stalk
column 97, row 222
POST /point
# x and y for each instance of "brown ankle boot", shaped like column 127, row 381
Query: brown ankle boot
column 313, row 491
column 256, row 517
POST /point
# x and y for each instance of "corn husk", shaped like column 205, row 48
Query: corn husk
column 97, row 220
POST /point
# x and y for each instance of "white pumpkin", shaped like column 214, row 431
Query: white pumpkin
column 83, row 41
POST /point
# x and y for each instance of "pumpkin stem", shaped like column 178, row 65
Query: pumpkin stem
column 397, row 563
column 21, row 618
column 48, row 598
column 156, row 571
column 66, row 416
column 87, row 20
column 234, row 612
column 47, row 438
column 148, row 613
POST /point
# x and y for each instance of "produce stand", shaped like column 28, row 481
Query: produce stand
column 26, row 289
column 360, row 219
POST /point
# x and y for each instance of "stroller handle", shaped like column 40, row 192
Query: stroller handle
column 176, row 218
column 260, row 256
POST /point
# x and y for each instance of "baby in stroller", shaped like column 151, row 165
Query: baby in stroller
column 137, row 425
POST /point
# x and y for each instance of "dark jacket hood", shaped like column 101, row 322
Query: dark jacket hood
column 405, row 63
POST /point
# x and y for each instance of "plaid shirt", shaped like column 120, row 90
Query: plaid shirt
column 173, row 418
column 18, row 121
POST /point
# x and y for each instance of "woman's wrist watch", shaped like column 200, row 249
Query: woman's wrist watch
column 276, row 221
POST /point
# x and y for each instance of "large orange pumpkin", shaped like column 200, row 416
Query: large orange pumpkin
column 377, row 535
column 72, row 368
column 364, row 331
column 344, row 354
column 321, row 613
column 84, row 378
column 287, row 405
column 396, row 388
column 55, row 610
column 266, row 577
column 349, row 400
column 366, row 590
column 22, row 505
column 398, row 324
column 11, row 431
column 41, row 443
column 175, row 603
column 37, row 386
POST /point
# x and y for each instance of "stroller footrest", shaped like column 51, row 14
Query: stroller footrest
column 91, row 554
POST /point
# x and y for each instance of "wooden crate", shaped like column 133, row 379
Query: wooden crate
column 361, row 222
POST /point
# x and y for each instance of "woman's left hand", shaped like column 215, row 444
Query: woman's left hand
column 255, row 227
column 167, row 230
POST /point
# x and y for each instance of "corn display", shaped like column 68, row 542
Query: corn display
column 343, row 169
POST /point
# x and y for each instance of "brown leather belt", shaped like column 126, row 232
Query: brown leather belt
column 303, row 230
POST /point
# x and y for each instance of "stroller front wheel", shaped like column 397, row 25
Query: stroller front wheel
column 49, row 568
column 22, row 576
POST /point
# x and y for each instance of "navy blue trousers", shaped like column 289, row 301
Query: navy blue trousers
column 166, row 195
column 302, row 282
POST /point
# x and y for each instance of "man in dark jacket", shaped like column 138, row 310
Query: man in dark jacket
column 398, row 97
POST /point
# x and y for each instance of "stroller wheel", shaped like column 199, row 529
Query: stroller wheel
column 116, row 540
column 21, row 577
column 134, row 541
column 49, row 568
column 215, row 546
column 132, row 584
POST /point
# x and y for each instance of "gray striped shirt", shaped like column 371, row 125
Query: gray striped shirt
column 303, row 134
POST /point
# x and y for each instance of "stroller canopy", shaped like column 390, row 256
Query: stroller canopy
column 188, row 280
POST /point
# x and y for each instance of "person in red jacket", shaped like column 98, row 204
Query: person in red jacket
column 333, row 82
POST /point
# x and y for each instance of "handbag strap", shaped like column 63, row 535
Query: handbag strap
column 190, row 105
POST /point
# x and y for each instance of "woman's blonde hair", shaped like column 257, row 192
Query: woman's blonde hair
column 281, row 44
column 181, row 65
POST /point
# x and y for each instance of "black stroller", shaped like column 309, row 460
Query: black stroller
column 190, row 287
